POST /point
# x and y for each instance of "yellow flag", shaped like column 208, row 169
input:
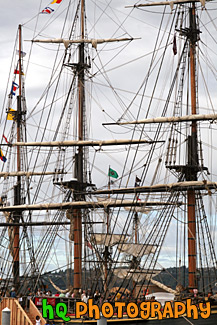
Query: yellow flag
column 11, row 114
column 56, row 1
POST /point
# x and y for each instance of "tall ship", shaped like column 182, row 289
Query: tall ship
column 108, row 153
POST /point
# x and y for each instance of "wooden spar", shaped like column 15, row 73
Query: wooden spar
column 191, row 201
column 77, row 214
column 42, row 223
column 82, row 143
column 85, row 205
column 186, row 118
column 17, row 187
column 179, row 186
column 94, row 42
column 28, row 174
column 166, row 3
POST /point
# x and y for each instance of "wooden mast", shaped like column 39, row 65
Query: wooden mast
column 192, row 159
column 134, row 261
column 17, row 187
column 79, row 163
column 106, row 253
column 192, row 166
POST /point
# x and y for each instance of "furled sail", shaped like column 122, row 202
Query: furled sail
column 137, row 275
column 141, row 209
column 163, row 286
column 69, row 289
column 137, row 250
column 108, row 239
column 138, row 209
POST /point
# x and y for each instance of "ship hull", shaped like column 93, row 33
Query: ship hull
column 180, row 321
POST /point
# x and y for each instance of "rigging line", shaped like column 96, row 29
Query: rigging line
column 122, row 48
column 211, row 19
column 165, row 109
column 180, row 220
column 164, row 231
column 99, row 17
column 156, row 98
column 49, row 155
column 199, row 239
column 6, row 91
column 133, row 60
column 145, row 89
column 159, row 70
column 120, row 26
column 58, row 77
column 49, row 49
column 116, row 16
column 52, row 19
column 212, row 249
column 36, row 23
column 143, row 21
column 208, row 56
column 119, row 100
column 46, row 106
column 152, row 239
column 153, row 12
column 204, row 25
column 51, row 237
column 98, row 102
column 50, row 84
column 204, row 234
column 39, row 9
column 206, row 87
column 209, row 64
column 43, row 66
column 104, row 12
column 145, row 81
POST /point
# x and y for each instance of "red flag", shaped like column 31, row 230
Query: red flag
column 174, row 45
column 18, row 72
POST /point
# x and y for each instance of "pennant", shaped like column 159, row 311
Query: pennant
column 47, row 10
column 14, row 88
column 112, row 173
column 4, row 137
column 2, row 157
column 174, row 45
column 56, row 1
column 18, row 72
column 22, row 53
column 11, row 114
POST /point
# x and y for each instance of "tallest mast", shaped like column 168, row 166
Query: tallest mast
column 79, row 163
column 17, row 187
column 192, row 157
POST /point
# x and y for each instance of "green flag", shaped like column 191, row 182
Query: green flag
column 112, row 173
